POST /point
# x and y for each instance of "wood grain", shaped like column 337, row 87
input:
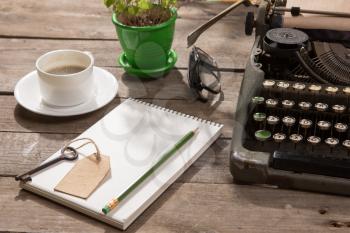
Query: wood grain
column 20, row 152
column 188, row 208
column 14, row 118
column 232, row 54
column 86, row 19
column 172, row 86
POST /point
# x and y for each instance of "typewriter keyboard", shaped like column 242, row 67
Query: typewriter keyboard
column 301, row 124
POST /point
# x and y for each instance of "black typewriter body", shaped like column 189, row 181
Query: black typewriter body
column 291, row 127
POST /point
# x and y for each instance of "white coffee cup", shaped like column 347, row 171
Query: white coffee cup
column 66, row 89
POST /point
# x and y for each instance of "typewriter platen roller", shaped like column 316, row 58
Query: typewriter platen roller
column 292, row 124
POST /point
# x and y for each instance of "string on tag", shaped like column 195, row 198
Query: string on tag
column 89, row 141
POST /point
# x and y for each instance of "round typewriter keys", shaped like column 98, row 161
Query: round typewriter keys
column 305, row 106
column 332, row 90
column 288, row 104
column 289, row 122
column 321, row 107
column 315, row 88
column 262, row 135
column 279, row 138
column 340, row 127
column 346, row 144
column 269, row 83
column 338, row 108
column 305, row 124
column 283, row 85
column 259, row 116
column 324, row 125
column 313, row 140
column 273, row 121
column 258, row 100
column 298, row 86
column 331, row 142
column 271, row 103
column 296, row 138
column 346, row 90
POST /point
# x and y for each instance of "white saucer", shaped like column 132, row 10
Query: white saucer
column 27, row 94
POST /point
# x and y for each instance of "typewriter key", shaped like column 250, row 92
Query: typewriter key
column 258, row 100
column 305, row 106
column 268, row 83
column 272, row 120
column 315, row 88
column 262, row 135
column 271, row 103
column 332, row 90
column 321, row 107
column 288, row 121
column 288, row 104
column 299, row 86
column 295, row 138
column 313, row 140
column 279, row 137
column 346, row 90
column 282, row 85
column 346, row 144
column 305, row 123
column 331, row 142
column 259, row 116
column 338, row 108
column 340, row 127
column 324, row 125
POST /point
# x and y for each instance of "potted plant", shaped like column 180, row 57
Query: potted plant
column 145, row 29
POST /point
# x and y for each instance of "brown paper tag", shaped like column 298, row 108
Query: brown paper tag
column 84, row 177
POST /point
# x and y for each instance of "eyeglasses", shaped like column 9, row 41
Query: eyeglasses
column 203, row 74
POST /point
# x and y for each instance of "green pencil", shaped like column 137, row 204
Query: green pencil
column 115, row 201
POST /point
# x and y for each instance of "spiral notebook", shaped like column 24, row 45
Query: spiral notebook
column 134, row 135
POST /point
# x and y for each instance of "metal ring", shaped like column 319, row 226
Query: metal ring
column 73, row 155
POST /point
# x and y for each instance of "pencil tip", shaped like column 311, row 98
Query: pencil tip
column 196, row 130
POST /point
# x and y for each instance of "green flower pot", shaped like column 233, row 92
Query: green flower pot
column 147, row 49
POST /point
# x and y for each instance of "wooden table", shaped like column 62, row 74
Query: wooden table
column 204, row 198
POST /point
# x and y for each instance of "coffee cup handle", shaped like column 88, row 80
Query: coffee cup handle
column 90, row 55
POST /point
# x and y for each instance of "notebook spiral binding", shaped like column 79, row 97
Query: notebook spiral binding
column 177, row 113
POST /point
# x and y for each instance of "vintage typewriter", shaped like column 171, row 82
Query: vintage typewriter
column 292, row 123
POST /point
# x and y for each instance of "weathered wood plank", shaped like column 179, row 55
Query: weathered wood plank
column 173, row 86
column 20, row 152
column 14, row 118
column 188, row 208
column 223, row 41
column 85, row 19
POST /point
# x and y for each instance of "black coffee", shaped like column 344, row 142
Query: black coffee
column 62, row 70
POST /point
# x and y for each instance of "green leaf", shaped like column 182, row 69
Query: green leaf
column 133, row 10
column 109, row 3
column 144, row 4
column 120, row 7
